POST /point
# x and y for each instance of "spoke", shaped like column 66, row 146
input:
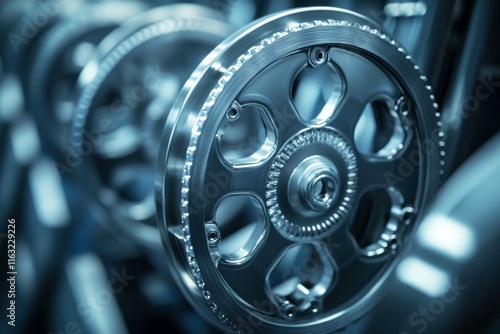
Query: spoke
column 407, row 171
column 376, row 173
column 218, row 183
column 402, row 172
column 354, row 270
column 365, row 82
column 222, row 180
column 249, row 280
column 348, row 114
column 341, row 245
column 272, row 87
column 252, row 179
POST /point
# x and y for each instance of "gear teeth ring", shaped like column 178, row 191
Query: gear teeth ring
column 303, row 140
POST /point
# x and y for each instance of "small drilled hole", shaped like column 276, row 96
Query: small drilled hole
column 213, row 236
column 406, row 216
column 320, row 55
column 233, row 114
column 403, row 106
column 289, row 311
column 315, row 307
column 317, row 56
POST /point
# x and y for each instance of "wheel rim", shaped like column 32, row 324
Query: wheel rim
column 302, row 178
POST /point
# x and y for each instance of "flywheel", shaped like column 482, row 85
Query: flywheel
column 294, row 168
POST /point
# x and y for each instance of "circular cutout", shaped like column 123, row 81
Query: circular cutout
column 248, row 137
column 242, row 224
column 317, row 90
column 379, row 131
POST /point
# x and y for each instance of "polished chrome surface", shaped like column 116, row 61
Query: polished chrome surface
column 306, row 190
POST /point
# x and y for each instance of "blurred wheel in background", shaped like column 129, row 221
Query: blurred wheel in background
column 61, row 54
column 116, row 129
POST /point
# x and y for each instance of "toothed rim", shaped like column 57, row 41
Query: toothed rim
column 207, row 109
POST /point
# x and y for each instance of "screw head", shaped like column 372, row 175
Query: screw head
column 288, row 311
column 233, row 113
column 318, row 56
column 212, row 233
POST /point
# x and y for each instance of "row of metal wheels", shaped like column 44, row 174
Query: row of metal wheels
column 281, row 168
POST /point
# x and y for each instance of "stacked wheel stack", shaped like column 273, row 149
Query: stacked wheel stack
column 254, row 167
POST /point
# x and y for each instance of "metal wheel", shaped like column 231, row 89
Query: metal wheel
column 293, row 171
column 62, row 54
column 114, row 127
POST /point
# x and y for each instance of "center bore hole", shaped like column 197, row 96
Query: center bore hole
column 323, row 190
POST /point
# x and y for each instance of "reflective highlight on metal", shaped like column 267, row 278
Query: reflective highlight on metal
column 456, row 245
column 310, row 196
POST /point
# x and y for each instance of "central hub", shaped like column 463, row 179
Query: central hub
column 313, row 186
column 321, row 190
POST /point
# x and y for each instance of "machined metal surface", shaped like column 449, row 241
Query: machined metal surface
column 293, row 171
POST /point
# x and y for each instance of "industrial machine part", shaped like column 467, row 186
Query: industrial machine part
column 293, row 170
